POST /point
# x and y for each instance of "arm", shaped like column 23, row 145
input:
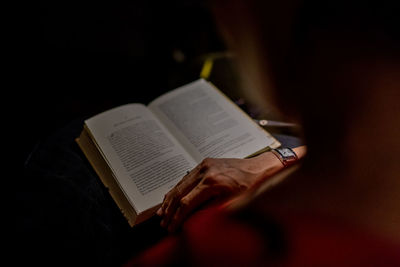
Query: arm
column 220, row 178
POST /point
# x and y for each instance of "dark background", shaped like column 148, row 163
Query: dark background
column 77, row 58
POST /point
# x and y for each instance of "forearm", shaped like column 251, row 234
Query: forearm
column 300, row 151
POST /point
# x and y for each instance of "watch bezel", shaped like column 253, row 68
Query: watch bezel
column 281, row 153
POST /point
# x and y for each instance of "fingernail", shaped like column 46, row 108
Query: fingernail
column 159, row 212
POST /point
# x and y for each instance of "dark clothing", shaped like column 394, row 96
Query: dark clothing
column 68, row 217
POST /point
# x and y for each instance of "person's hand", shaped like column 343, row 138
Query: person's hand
column 214, row 178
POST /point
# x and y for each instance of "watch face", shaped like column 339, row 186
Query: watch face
column 286, row 152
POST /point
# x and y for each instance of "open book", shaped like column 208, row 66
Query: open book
column 140, row 152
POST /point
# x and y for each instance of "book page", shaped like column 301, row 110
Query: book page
column 144, row 157
column 208, row 124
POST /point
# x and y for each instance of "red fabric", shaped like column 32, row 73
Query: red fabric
column 320, row 242
column 210, row 238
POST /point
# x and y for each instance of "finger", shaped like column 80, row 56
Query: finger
column 199, row 195
column 164, row 204
column 188, row 178
column 169, row 197
column 159, row 211
column 178, row 192
column 170, row 204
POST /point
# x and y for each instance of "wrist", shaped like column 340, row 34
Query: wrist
column 267, row 166
column 300, row 151
column 269, row 162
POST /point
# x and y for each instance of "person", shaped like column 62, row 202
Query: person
column 332, row 66
column 69, row 218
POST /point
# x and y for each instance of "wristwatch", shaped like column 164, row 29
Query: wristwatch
column 286, row 155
